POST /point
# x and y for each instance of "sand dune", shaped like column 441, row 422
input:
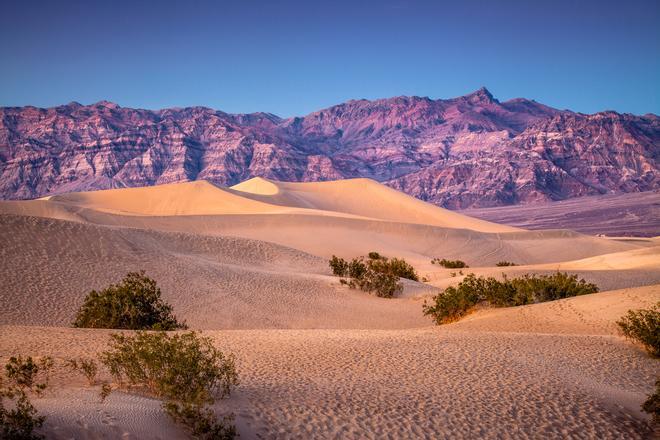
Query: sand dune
column 346, row 198
column 248, row 265
column 363, row 197
column 212, row 282
column 553, row 370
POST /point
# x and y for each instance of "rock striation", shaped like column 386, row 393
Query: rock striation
column 467, row 152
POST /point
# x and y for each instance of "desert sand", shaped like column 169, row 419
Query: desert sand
column 247, row 265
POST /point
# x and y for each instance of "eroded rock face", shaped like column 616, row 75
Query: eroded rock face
column 471, row 151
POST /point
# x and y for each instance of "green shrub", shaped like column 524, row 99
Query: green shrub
column 643, row 326
column 400, row 268
column 455, row 302
column 377, row 274
column 133, row 304
column 22, row 377
column 184, row 367
column 381, row 284
column 450, row 264
column 184, row 370
column 541, row 288
column 358, row 267
column 505, row 263
column 652, row 403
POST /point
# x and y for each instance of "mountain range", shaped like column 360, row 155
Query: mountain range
column 467, row 152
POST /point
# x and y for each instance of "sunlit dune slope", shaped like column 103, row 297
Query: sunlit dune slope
column 551, row 370
column 363, row 197
column 187, row 198
column 352, row 198
column 217, row 282
column 348, row 237
column 594, row 314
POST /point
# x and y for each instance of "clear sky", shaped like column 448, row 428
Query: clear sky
column 294, row 57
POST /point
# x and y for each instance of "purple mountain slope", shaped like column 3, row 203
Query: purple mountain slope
column 471, row 151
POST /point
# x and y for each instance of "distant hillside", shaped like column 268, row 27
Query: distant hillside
column 467, row 152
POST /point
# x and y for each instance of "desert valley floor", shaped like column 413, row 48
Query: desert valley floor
column 248, row 266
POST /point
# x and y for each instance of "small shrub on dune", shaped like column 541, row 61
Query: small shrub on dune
column 643, row 326
column 455, row 302
column 18, row 417
column 541, row 288
column 133, row 304
column 184, row 370
column 450, row 264
column 339, row 266
column 378, row 274
column 381, row 284
column 357, row 268
column 505, row 263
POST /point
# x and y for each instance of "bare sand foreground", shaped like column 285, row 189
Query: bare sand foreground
column 248, row 266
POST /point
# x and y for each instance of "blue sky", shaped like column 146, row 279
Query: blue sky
column 294, row 57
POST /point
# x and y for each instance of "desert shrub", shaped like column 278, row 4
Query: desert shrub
column 133, row 304
column 384, row 285
column 643, row 326
column 357, row 268
column 454, row 302
column 652, row 404
column 541, row 288
column 185, row 370
column 87, row 367
column 401, row 268
column 505, row 263
column 339, row 266
column 449, row 264
column 18, row 417
column 184, row 367
column 377, row 274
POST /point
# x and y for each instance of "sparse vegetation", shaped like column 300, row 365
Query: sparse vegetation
column 455, row 302
column 643, row 326
column 18, row 417
column 376, row 274
column 339, row 266
column 652, row 403
column 87, row 367
column 185, row 370
column 134, row 304
column 505, row 263
column 450, row 264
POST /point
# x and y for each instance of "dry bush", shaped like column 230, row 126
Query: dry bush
column 133, row 304
column 185, row 370
column 23, row 377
